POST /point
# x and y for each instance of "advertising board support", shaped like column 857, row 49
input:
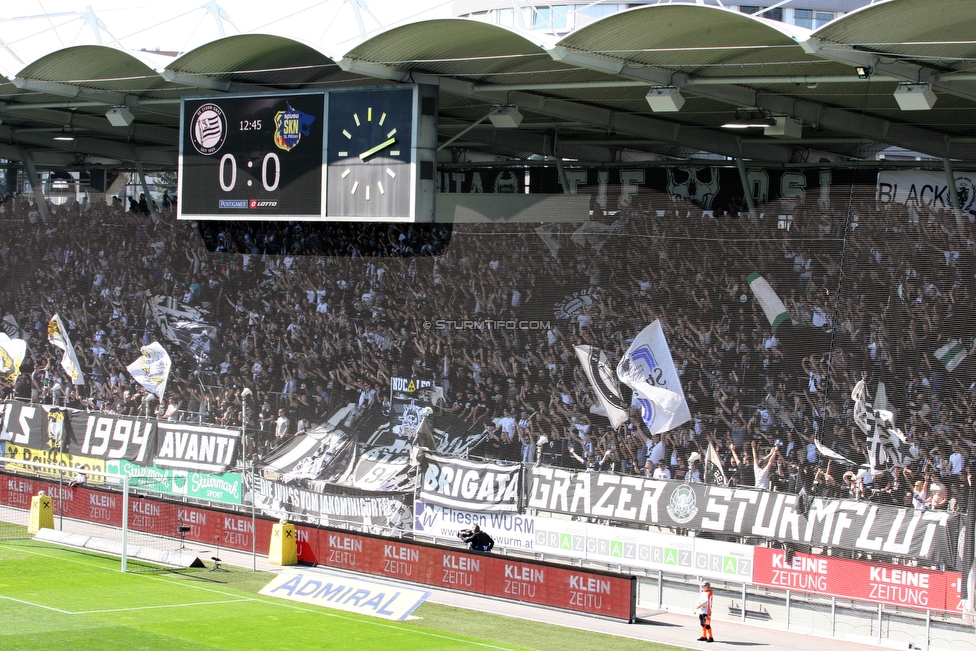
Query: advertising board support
column 880, row 615
column 833, row 615
column 249, row 463
column 788, row 610
column 742, row 615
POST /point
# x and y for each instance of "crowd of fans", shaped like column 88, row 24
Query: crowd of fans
column 313, row 316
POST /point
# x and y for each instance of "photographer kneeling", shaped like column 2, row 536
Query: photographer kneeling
column 477, row 539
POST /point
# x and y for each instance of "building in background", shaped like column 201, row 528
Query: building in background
column 563, row 17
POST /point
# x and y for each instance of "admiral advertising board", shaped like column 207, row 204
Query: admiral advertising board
column 845, row 524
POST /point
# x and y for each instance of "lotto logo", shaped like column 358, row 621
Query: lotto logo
column 254, row 203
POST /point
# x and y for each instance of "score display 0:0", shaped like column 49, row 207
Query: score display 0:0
column 269, row 187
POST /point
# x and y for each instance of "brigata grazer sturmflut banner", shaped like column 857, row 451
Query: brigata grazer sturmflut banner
column 844, row 524
column 470, row 485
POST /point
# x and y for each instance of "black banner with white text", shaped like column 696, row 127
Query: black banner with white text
column 845, row 524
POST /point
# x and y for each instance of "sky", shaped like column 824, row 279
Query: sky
column 30, row 29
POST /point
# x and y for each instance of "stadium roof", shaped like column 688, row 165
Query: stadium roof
column 582, row 97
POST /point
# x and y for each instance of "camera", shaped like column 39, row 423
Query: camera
column 464, row 533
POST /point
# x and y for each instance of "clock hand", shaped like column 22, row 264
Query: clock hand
column 369, row 152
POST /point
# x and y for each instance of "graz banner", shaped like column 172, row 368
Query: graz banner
column 474, row 486
column 584, row 541
column 844, row 524
column 196, row 447
column 335, row 505
column 104, row 436
column 896, row 585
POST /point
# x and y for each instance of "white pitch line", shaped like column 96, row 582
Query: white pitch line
column 283, row 604
column 31, row 603
column 196, row 603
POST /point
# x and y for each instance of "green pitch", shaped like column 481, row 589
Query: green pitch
column 59, row 598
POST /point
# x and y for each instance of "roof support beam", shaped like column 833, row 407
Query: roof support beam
column 69, row 90
column 136, row 131
column 871, row 128
column 900, row 69
column 638, row 125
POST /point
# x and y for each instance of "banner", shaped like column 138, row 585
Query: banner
column 226, row 488
column 829, row 576
column 71, row 463
column 106, row 436
column 152, row 368
column 588, row 542
column 196, row 447
column 58, row 337
column 29, row 426
column 603, row 379
column 12, row 352
column 474, row 486
column 922, row 189
column 844, row 524
column 408, row 399
column 648, row 369
column 333, row 505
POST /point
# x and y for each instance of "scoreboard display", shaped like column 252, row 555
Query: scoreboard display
column 349, row 154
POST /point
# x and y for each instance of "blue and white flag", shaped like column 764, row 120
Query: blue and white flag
column 648, row 369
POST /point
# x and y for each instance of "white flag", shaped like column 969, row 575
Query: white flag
column 151, row 370
column 648, row 369
column 12, row 352
column 58, row 336
column 604, row 381
column 714, row 468
column 769, row 301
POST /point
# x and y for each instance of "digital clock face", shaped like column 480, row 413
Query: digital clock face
column 257, row 157
column 370, row 154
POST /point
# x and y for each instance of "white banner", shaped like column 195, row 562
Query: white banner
column 631, row 548
column 479, row 486
column 917, row 189
column 648, row 369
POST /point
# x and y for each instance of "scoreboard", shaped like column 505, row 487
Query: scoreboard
column 350, row 154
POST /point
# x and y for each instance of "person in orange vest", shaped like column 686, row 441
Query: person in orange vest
column 704, row 609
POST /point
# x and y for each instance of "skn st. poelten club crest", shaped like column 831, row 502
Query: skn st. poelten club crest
column 290, row 126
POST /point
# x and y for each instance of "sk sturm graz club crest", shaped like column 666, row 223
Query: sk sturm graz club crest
column 55, row 430
column 208, row 129
column 290, row 126
column 682, row 506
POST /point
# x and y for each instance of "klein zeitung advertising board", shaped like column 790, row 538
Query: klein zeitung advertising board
column 895, row 585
